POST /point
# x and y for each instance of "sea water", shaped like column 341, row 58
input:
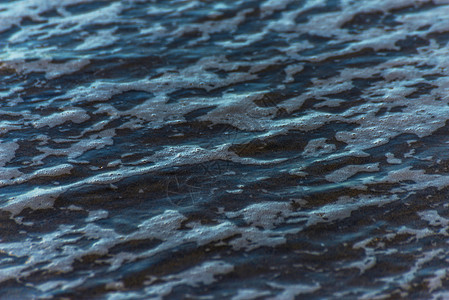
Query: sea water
column 232, row 149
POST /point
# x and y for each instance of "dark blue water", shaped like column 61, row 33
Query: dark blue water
column 277, row 149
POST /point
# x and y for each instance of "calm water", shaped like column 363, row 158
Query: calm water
column 178, row 149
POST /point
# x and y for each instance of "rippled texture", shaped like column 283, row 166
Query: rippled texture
column 224, row 149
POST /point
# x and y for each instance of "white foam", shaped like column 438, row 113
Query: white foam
column 434, row 218
column 94, row 141
column 53, row 171
column 292, row 70
column 270, row 6
column 419, row 177
column 436, row 281
column 364, row 265
column 290, row 291
column 97, row 215
column 266, row 214
column 102, row 38
column 344, row 206
column 51, row 70
column 7, row 152
column 211, row 27
column 14, row 12
column 37, row 198
column 63, row 285
column 392, row 160
column 74, row 114
column 203, row 274
column 249, row 294
column 6, row 126
column 346, row 172
column 405, row 280
column 8, row 174
column 244, row 40
column 70, row 24
column 318, row 147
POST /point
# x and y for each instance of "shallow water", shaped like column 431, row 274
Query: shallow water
column 180, row 149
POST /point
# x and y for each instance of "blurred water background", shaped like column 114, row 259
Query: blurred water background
column 232, row 149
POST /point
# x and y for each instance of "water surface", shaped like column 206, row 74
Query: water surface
column 179, row 149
